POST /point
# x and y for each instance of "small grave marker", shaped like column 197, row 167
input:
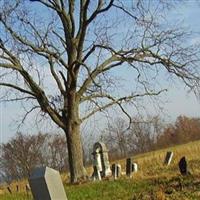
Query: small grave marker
column 27, row 187
column 116, row 170
column 17, row 188
column 168, row 158
column 134, row 167
column 128, row 166
column 183, row 166
column 9, row 190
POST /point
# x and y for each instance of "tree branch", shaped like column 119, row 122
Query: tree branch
column 94, row 74
column 99, row 10
column 42, row 51
column 71, row 14
column 42, row 99
column 59, row 84
column 17, row 88
column 118, row 102
column 18, row 99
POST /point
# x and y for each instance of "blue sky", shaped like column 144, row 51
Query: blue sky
column 179, row 101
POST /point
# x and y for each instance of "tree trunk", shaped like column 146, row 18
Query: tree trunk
column 75, row 152
column 74, row 143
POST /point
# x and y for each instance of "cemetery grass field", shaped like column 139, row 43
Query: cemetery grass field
column 153, row 181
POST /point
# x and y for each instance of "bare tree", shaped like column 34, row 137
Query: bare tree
column 21, row 154
column 24, row 152
column 143, row 133
column 63, row 57
column 57, row 150
column 116, row 137
column 140, row 137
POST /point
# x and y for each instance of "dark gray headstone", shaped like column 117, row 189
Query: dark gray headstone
column 17, row 188
column 119, row 170
column 128, row 166
column 46, row 184
column 168, row 158
column 183, row 166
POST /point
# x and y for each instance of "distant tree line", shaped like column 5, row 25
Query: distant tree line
column 185, row 129
column 140, row 136
column 24, row 152
column 148, row 134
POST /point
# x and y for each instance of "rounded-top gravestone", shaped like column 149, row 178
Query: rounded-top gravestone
column 101, row 161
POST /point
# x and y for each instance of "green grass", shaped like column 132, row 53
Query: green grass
column 122, row 189
column 182, row 188
column 154, row 181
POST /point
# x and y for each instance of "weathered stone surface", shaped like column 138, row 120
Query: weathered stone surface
column 46, row 184
column 168, row 158
column 27, row 187
column 116, row 170
column 101, row 161
column 96, row 176
column 97, row 160
column 134, row 167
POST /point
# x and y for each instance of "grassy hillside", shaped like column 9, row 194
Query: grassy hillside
column 153, row 181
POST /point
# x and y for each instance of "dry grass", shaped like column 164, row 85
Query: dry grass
column 151, row 163
column 153, row 180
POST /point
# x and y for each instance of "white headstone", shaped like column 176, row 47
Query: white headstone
column 134, row 167
column 46, row 184
column 98, row 161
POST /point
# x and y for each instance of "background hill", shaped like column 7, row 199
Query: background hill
column 153, row 181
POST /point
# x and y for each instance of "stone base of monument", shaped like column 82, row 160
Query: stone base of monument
column 96, row 176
